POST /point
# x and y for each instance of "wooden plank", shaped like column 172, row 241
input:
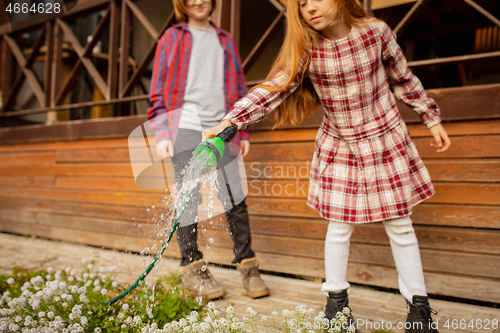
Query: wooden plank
column 278, row 188
column 126, row 184
column 97, row 210
column 21, row 159
column 464, row 170
column 278, row 170
column 65, row 145
column 116, row 170
column 5, row 60
column 105, row 197
column 119, row 155
column 424, row 214
column 453, row 60
column 466, row 194
column 463, row 147
column 487, row 14
column 29, row 181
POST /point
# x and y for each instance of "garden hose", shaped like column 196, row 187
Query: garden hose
column 211, row 150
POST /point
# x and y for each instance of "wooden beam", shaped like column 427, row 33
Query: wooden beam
column 136, row 77
column 94, row 73
column 47, row 68
column 379, row 4
column 407, row 17
column 114, row 34
column 264, row 40
column 35, row 21
column 75, row 106
column 36, row 47
column 87, row 51
column 4, row 70
column 278, row 5
column 56, row 64
column 484, row 12
column 30, row 75
column 142, row 18
column 450, row 60
column 235, row 21
column 125, row 46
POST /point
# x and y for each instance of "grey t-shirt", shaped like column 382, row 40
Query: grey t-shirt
column 204, row 101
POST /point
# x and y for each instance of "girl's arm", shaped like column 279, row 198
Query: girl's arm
column 260, row 102
column 408, row 88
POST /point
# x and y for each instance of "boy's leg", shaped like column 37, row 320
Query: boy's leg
column 406, row 255
column 197, row 276
column 187, row 235
column 233, row 199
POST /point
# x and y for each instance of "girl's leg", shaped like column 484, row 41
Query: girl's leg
column 337, row 243
column 406, row 255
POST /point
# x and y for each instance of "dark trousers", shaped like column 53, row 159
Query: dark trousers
column 236, row 215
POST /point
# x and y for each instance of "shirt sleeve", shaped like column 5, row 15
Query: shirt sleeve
column 257, row 104
column 407, row 87
column 242, row 88
column 156, row 113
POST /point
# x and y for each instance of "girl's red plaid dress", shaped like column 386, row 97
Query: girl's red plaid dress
column 365, row 167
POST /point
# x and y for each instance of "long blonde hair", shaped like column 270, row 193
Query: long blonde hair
column 299, row 34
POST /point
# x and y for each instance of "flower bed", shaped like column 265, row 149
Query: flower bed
column 62, row 301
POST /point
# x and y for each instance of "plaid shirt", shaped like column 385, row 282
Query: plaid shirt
column 169, row 79
column 365, row 167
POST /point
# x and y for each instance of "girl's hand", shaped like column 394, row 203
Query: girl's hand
column 441, row 140
column 210, row 132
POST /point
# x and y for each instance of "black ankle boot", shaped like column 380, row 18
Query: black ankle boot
column 336, row 302
column 419, row 318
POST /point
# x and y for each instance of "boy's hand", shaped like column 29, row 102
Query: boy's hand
column 165, row 148
column 245, row 147
column 441, row 139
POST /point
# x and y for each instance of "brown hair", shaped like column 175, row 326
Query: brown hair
column 299, row 34
column 180, row 9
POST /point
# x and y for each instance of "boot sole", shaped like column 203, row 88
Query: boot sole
column 209, row 297
column 258, row 295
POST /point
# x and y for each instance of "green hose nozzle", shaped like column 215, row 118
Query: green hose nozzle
column 212, row 149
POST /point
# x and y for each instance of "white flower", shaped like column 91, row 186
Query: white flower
column 10, row 281
column 114, row 284
column 65, row 304
column 41, row 314
column 90, row 266
column 97, row 282
column 50, row 314
column 104, row 291
column 84, row 261
column 121, row 316
column 97, row 330
column 84, row 321
column 125, row 307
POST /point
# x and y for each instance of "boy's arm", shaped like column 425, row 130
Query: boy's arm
column 407, row 87
column 156, row 113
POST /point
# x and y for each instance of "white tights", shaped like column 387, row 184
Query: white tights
column 405, row 251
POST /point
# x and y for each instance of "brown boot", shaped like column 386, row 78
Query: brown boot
column 198, row 279
column 253, row 284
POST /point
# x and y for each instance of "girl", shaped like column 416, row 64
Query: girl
column 365, row 166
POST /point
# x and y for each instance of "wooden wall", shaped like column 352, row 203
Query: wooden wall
column 73, row 182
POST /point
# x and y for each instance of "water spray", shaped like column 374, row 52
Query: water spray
column 211, row 150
